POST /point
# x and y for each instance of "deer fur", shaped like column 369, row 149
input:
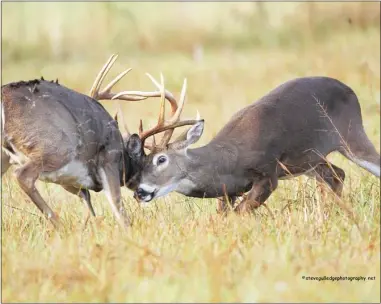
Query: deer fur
column 288, row 132
column 57, row 135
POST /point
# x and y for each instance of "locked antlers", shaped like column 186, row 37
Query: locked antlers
column 162, row 125
column 166, row 125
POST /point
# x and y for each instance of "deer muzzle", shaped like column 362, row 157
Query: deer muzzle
column 145, row 193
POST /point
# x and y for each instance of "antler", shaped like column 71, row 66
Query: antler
column 162, row 125
column 106, row 92
column 125, row 95
column 166, row 125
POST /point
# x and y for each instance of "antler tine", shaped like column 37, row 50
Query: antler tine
column 145, row 95
column 161, row 119
column 153, row 140
column 163, row 95
column 116, row 80
column 101, row 75
column 167, row 125
column 140, row 95
column 162, row 102
column 157, row 129
column 106, row 93
column 162, row 89
column 140, row 128
column 175, row 117
column 157, row 85
column 198, row 115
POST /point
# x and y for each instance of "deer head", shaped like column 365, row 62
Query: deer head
column 135, row 144
column 165, row 169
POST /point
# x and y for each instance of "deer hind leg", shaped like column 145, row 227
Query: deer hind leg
column 84, row 194
column 361, row 151
column 258, row 194
column 26, row 177
column 330, row 174
column 5, row 162
column 111, row 185
column 224, row 202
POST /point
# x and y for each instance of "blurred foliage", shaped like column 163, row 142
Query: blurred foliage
column 76, row 30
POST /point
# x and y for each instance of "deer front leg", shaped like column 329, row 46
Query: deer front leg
column 26, row 177
column 258, row 194
column 111, row 185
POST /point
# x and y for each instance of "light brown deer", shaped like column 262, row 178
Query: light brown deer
column 288, row 132
column 57, row 135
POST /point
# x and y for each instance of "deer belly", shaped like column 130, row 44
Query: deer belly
column 75, row 173
column 231, row 186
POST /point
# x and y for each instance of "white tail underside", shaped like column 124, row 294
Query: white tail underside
column 373, row 168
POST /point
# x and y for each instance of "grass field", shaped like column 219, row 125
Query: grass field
column 178, row 248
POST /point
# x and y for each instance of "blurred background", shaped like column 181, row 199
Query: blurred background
column 231, row 53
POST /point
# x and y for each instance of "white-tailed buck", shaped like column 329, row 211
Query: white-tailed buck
column 288, row 132
column 57, row 135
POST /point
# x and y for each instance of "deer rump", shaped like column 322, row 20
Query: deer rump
column 62, row 131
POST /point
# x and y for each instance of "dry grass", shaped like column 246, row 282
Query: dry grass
column 179, row 249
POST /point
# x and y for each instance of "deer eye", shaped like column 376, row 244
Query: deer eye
column 161, row 160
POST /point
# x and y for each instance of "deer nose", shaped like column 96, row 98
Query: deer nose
column 143, row 194
column 140, row 193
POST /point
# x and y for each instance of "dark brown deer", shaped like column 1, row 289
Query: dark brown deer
column 57, row 135
column 288, row 132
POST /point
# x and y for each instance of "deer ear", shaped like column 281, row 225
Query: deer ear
column 192, row 136
column 195, row 132
column 134, row 146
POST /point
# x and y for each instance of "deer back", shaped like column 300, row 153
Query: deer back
column 50, row 123
column 299, row 114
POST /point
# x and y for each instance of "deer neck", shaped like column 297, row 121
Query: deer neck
column 127, row 170
column 206, row 167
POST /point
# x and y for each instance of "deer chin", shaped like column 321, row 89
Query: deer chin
column 147, row 199
column 146, row 193
column 166, row 190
